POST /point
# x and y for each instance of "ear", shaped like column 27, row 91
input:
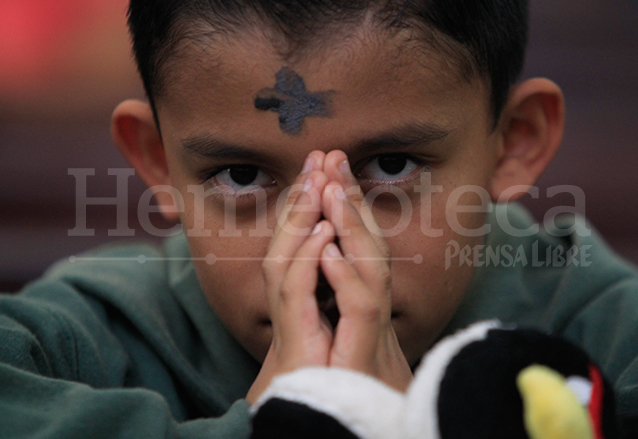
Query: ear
column 135, row 133
column 531, row 130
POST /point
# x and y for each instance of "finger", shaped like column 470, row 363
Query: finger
column 297, row 307
column 301, row 212
column 302, row 217
column 365, row 339
column 338, row 169
column 363, row 313
column 298, row 219
column 351, row 291
column 301, row 336
column 368, row 254
column 314, row 162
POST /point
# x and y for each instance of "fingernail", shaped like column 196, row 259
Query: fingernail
column 308, row 165
column 339, row 193
column 333, row 251
column 308, row 184
column 317, row 229
column 344, row 168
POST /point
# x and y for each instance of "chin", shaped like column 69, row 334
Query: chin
column 258, row 344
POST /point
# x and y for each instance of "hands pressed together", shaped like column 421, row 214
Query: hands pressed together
column 329, row 204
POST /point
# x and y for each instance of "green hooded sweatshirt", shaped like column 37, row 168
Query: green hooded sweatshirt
column 121, row 342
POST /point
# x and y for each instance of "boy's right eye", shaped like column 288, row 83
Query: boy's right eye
column 240, row 178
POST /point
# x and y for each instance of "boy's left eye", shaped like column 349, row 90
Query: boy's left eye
column 389, row 167
column 240, row 177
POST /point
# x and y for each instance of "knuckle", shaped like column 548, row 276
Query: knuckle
column 351, row 224
column 368, row 311
column 300, row 216
column 267, row 267
column 270, row 272
column 350, row 276
column 286, row 291
column 354, row 194
column 293, row 215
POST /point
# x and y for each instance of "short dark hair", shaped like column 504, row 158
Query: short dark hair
column 492, row 32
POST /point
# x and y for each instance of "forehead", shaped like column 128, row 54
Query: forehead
column 374, row 78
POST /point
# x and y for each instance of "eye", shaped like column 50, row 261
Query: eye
column 389, row 167
column 238, row 178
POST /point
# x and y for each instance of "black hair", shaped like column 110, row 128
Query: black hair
column 492, row 32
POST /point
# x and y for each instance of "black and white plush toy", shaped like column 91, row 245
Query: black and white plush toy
column 487, row 381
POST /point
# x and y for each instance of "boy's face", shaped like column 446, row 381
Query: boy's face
column 381, row 90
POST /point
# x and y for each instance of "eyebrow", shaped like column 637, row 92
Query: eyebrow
column 211, row 147
column 410, row 135
column 415, row 134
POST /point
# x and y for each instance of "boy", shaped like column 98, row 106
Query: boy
column 325, row 160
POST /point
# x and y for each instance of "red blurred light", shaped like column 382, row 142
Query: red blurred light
column 36, row 34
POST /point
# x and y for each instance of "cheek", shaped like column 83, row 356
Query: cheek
column 233, row 284
column 422, row 279
column 233, row 289
column 428, row 293
column 236, row 294
column 229, row 256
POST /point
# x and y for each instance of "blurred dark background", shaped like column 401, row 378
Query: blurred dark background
column 66, row 64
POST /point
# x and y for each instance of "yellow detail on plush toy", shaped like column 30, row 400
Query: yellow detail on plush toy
column 551, row 410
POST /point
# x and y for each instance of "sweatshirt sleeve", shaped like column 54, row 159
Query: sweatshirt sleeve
column 63, row 375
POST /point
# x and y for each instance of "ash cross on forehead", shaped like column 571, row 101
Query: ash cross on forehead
column 292, row 101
